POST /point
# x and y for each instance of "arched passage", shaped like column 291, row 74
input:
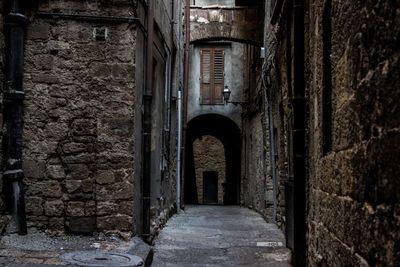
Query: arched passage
column 229, row 134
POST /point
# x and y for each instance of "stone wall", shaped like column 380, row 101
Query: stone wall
column 278, row 85
column 353, row 216
column 79, row 121
column 352, row 136
column 256, row 185
column 83, row 115
column 3, row 218
column 209, row 155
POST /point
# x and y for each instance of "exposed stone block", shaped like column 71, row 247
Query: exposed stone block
column 56, row 223
column 106, row 208
column 51, row 189
column 114, row 191
column 78, row 172
column 100, row 69
column 75, row 208
column 70, row 148
column 73, row 185
column 87, row 186
column 120, row 222
column 34, row 168
column 56, row 130
column 82, row 225
column 39, row 30
column 105, row 177
column 55, row 172
column 90, row 208
column 34, row 206
column 45, row 78
column 54, row 208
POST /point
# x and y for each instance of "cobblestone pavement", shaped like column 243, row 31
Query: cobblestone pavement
column 39, row 249
column 220, row 236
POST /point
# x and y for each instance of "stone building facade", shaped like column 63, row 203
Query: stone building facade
column 354, row 160
column 3, row 218
column 79, row 142
column 349, row 131
column 84, row 81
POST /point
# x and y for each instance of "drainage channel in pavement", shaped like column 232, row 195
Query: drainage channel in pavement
column 101, row 258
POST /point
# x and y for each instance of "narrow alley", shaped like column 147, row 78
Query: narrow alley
column 220, row 236
column 200, row 133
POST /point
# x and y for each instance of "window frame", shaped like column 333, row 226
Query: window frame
column 211, row 92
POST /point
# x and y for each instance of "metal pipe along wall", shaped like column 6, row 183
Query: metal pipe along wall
column 13, row 111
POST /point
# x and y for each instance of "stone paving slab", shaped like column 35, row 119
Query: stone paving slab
column 220, row 236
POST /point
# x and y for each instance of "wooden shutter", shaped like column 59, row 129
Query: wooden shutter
column 206, row 73
column 212, row 75
column 218, row 76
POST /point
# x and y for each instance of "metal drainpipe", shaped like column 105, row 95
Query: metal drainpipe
column 147, row 122
column 299, row 169
column 272, row 151
column 179, row 130
column 13, row 175
column 178, row 160
column 170, row 71
column 186, row 87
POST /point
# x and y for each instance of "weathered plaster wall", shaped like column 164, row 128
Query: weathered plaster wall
column 163, row 16
column 79, row 122
column 241, row 23
column 233, row 79
column 213, row 2
column 209, row 155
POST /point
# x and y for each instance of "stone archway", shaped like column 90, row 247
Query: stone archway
column 239, row 24
column 210, row 127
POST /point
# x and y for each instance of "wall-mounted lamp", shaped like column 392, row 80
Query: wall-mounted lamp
column 227, row 94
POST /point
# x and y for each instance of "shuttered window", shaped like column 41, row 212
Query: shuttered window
column 212, row 75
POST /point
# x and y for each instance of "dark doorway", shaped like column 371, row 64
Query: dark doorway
column 210, row 187
column 229, row 134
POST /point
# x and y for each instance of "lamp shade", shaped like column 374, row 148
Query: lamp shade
column 227, row 93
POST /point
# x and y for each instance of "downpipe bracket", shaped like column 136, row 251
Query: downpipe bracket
column 14, row 96
column 15, row 20
column 14, row 175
